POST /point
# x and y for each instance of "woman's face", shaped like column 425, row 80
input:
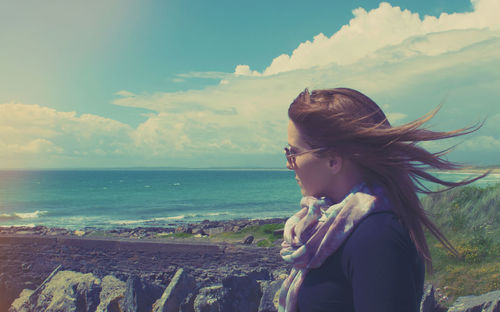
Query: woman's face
column 312, row 173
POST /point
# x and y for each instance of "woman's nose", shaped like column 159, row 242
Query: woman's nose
column 289, row 165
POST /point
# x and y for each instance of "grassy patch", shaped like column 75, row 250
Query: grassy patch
column 263, row 234
column 470, row 218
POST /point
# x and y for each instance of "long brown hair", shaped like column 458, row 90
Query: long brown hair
column 355, row 127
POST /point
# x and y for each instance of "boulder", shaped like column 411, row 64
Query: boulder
column 243, row 293
column 428, row 303
column 177, row 290
column 140, row 294
column 112, row 295
column 65, row 291
column 18, row 304
column 237, row 293
column 187, row 304
column 489, row 302
column 269, row 291
column 210, row 299
column 248, row 240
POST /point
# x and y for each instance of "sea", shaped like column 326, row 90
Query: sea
column 110, row 199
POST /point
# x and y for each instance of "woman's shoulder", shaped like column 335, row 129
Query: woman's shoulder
column 381, row 245
column 377, row 235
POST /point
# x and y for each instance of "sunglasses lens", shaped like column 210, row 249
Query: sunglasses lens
column 288, row 153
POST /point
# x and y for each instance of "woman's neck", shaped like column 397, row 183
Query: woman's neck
column 343, row 183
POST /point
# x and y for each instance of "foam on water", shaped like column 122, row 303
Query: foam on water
column 22, row 215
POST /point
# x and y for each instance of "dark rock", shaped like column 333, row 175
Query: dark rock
column 489, row 302
column 243, row 294
column 9, row 290
column 175, row 293
column 260, row 274
column 428, row 303
column 248, row 240
column 140, row 295
column 269, row 300
column 25, row 267
column 187, row 304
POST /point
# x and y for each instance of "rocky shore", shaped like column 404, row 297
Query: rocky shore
column 138, row 269
column 204, row 228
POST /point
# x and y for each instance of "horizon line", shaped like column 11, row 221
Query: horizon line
column 204, row 168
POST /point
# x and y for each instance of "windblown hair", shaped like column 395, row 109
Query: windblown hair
column 356, row 128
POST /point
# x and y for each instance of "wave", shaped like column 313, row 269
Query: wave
column 207, row 214
column 22, row 215
column 31, row 225
column 147, row 220
column 191, row 216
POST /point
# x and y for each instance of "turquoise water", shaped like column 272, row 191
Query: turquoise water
column 131, row 198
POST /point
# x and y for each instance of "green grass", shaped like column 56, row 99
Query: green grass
column 263, row 234
column 470, row 218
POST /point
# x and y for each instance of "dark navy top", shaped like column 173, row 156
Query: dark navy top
column 377, row 269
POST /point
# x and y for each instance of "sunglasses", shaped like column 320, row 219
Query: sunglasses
column 290, row 156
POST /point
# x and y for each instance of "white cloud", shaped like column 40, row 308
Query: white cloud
column 244, row 70
column 405, row 63
column 36, row 146
column 384, row 26
column 482, row 143
column 34, row 129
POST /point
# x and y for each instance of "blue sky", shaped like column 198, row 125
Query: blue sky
column 199, row 83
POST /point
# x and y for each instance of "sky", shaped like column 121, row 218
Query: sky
column 125, row 83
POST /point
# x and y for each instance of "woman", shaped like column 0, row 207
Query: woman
column 357, row 244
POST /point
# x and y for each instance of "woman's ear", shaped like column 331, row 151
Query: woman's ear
column 335, row 164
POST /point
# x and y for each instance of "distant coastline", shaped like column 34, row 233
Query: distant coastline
column 468, row 169
column 475, row 169
column 150, row 169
